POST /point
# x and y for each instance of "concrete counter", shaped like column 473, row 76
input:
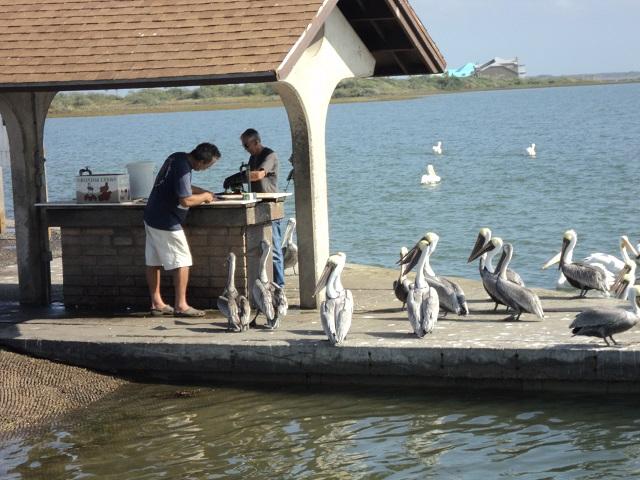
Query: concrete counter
column 103, row 250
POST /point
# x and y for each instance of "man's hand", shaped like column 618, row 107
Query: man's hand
column 208, row 197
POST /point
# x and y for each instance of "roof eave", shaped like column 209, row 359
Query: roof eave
column 254, row 77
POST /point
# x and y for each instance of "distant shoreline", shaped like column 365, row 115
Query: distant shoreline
column 270, row 101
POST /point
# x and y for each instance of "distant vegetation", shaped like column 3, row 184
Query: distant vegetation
column 256, row 94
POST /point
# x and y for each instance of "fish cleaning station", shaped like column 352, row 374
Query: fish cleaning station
column 304, row 49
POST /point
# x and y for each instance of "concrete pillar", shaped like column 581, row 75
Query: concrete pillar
column 24, row 115
column 335, row 54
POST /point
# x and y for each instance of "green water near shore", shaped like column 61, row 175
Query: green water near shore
column 150, row 431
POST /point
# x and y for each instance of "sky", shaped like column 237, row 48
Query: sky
column 556, row 37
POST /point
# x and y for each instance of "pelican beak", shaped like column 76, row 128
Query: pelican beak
column 552, row 261
column 480, row 242
column 324, row 277
column 565, row 244
column 479, row 249
column 626, row 243
column 621, row 284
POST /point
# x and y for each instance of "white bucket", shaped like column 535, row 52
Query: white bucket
column 141, row 178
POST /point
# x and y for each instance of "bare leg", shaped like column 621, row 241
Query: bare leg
column 611, row 337
column 606, row 341
column 180, row 281
column 153, row 281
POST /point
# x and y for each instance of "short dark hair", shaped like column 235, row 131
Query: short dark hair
column 205, row 152
column 251, row 134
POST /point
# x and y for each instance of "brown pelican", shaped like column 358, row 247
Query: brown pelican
column 233, row 305
column 604, row 322
column 451, row 296
column 422, row 301
column 625, row 280
column 401, row 285
column 580, row 275
column 486, row 273
column 337, row 309
column 290, row 249
column 518, row 298
column 610, row 264
column 262, row 291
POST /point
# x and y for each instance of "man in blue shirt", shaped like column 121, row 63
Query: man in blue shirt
column 166, row 244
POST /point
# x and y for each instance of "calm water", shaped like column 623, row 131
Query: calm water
column 149, row 432
column 585, row 177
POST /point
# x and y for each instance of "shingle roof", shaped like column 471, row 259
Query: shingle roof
column 71, row 43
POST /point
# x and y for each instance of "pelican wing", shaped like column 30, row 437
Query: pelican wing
column 328, row 318
column 513, row 276
column 401, row 289
column 610, row 262
column 223, row 305
column 430, row 309
column 280, row 304
column 414, row 306
column 520, row 298
column 447, row 295
column 344, row 315
column 600, row 317
column 460, row 297
column 586, row 276
column 489, row 283
column 290, row 254
column 244, row 312
column 263, row 299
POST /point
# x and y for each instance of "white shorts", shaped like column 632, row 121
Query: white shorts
column 166, row 248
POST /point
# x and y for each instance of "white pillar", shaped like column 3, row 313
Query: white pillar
column 335, row 54
column 24, row 115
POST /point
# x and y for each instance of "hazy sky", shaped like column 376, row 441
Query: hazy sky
column 549, row 36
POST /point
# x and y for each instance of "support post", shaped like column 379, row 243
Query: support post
column 24, row 115
column 335, row 54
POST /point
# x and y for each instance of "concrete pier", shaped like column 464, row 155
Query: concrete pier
column 480, row 350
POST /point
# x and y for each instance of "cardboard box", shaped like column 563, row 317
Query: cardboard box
column 102, row 188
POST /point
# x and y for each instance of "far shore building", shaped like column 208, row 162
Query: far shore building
column 501, row 68
column 303, row 48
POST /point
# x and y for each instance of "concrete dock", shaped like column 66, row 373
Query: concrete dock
column 481, row 350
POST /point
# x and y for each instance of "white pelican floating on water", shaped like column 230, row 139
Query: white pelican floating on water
column 431, row 177
column 336, row 310
column 531, row 150
column 610, row 264
column 437, row 148
column 604, row 322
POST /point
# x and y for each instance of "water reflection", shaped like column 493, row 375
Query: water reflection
column 148, row 431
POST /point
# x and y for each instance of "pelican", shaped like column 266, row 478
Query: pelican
column 290, row 249
column 625, row 280
column 431, row 177
column 401, row 285
column 422, row 301
column 451, row 296
column 518, row 298
column 531, row 150
column 437, row 148
column 336, row 310
column 262, row 289
column 233, row 305
column 484, row 246
column 280, row 305
column 580, row 275
column 603, row 322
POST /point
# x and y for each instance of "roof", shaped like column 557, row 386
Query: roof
column 75, row 44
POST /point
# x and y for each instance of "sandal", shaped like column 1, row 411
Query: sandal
column 189, row 312
column 159, row 312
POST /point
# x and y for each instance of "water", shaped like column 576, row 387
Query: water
column 588, row 139
column 149, row 432
column 584, row 177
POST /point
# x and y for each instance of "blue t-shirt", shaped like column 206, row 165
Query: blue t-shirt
column 173, row 182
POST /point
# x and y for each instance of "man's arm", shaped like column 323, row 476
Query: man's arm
column 197, row 199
